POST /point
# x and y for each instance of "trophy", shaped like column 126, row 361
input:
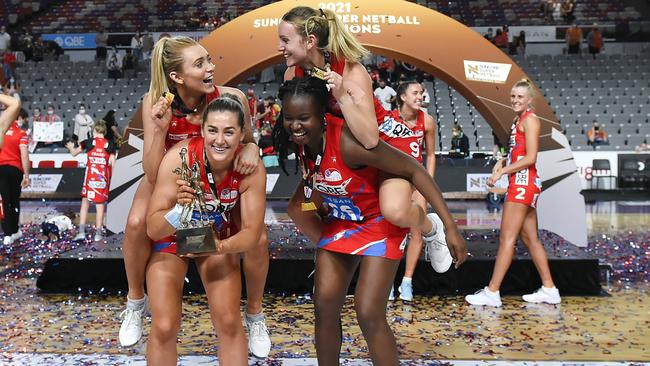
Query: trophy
column 195, row 235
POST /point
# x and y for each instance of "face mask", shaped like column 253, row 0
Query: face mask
column 456, row 134
column 50, row 112
column 11, row 81
column 82, row 111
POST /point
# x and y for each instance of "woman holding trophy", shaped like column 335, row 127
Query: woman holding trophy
column 200, row 212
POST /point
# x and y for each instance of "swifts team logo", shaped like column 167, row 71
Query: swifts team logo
column 330, row 182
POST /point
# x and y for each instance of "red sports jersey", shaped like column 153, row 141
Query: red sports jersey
column 524, row 186
column 97, row 181
column 227, row 189
column 397, row 133
column 180, row 129
column 10, row 151
column 356, row 225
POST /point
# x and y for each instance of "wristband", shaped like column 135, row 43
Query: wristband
column 173, row 217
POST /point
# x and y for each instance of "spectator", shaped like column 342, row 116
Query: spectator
column 36, row 117
column 459, row 142
column 101, row 42
column 101, row 155
column 385, row 94
column 5, row 40
column 597, row 135
column 252, row 99
column 547, row 10
column 8, row 59
column 130, row 64
column 147, row 45
column 489, row 35
column 568, row 10
column 573, row 39
column 14, row 166
column 50, row 117
column 557, row 10
column 518, row 46
column 114, row 63
column 113, row 133
column 40, row 49
column 595, row 41
column 501, row 40
column 83, row 124
column 136, row 46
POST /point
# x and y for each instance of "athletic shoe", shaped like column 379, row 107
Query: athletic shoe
column 436, row 250
column 8, row 240
column 17, row 235
column 99, row 235
column 484, row 297
column 131, row 328
column 391, row 296
column 406, row 291
column 544, row 294
column 81, row 236
column 259, row 342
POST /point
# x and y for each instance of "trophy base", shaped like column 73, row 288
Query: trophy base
column 195, row 240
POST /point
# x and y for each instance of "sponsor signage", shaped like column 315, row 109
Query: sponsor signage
column 43, row 183
column 488, row 72
column 477, row 182
column 72, row 41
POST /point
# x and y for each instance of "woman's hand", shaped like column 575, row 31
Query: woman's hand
column 335, row 84
column 185, row 193
column 457, row 247
column 247, row 159
column 25, row 182
column 494, row 178
column 161, row 113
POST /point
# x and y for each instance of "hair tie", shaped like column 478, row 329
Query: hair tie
column 322, row 13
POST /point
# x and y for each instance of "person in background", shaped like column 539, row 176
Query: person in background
column 573, row 39
column 595, row 41
column 114, row 63
column 597, row 135
column 426, row 98
column 113, row 133
column 459, row 141
column 101, row 42
column 385, row 94
column 83, row 124
column 50, row 117
column 101, row 155
column 53, row 228
column 14, row 165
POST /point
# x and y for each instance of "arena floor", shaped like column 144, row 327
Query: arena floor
column 81, row 329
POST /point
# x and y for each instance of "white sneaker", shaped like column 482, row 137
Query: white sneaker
column 131, row 328
column 17, row 235
column 8, row 240
column 99, row 235
column 484, row 297
column 406, row 291
column 391, row 296
column 544, row 294
column 436, row 250
column 259, row 342
column 81, row 236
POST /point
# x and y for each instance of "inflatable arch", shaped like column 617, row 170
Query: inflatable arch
column 433, row 42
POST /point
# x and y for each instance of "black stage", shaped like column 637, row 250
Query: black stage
column 97, row 266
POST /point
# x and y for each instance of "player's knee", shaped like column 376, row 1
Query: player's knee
column 165, row 328
column 396, row 212
column 369, row 315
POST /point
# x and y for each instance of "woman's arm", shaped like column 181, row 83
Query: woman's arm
column 155, row 121
column 309, row 223
column 430, row 130
column 252, row 203
column 9, row 115
column 388, row 159
column 24, row 159
column 74, row 151
column 165, row 190
column 353, row 91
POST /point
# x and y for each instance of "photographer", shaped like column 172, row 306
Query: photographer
column 597, row 136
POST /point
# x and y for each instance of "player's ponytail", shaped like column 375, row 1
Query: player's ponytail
column 167, row 56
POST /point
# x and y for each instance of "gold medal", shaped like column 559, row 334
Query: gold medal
column 169, row 96
column 308, row 206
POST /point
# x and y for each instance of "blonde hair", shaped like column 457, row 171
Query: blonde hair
column 100, row 127
column 526, row 83
column 330, row 31
column 166, row 57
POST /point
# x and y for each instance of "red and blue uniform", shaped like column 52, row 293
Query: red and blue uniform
column 227, row 189
column 392, row 128
column 525, row 185
column 355, row 224
column 180, row 129
column 98, row 171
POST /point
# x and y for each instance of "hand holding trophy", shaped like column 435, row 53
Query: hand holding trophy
column 195, row 235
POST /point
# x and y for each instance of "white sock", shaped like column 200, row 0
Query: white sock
column 490, row 292
column 136, row 304
column 251, row 318
column 407, row 279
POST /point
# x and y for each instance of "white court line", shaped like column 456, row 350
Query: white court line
column 55, row 359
